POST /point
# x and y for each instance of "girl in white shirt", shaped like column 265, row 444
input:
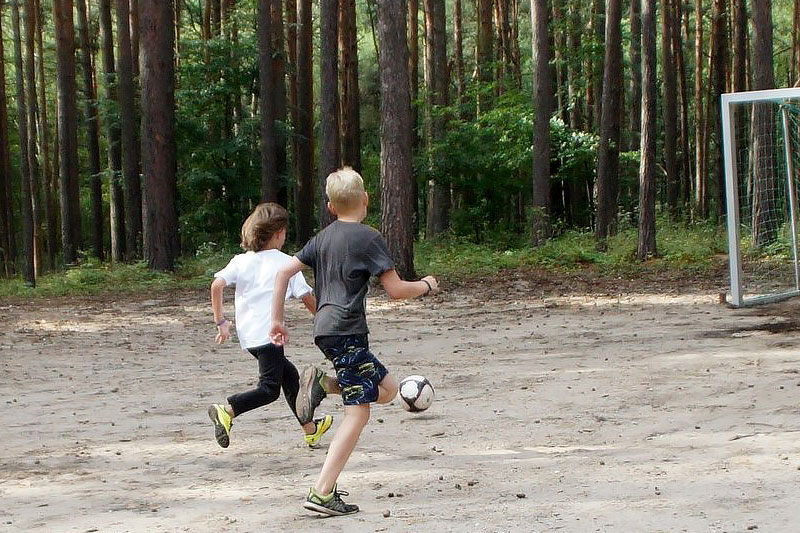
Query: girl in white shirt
column 253, row 274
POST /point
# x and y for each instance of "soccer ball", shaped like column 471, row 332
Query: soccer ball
column 416, row 393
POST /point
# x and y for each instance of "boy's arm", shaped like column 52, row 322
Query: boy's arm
column 223, row 324
column 398, row 289
column 310, row 302
column 278, row 332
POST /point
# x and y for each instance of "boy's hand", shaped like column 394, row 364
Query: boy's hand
column 433, row 283
column 279, row 334
column 223, row 332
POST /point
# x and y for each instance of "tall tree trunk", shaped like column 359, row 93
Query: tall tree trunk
column 279, row 100
column 681, row 22
column 559, row 43
column 594, row 100
column 608, row 151
column 438, row 219
column 669, row 108
column 134, row 25
column 269, row 174
column 635, row 120
column 397, row 202
column 178, row 12
column 291, row 48
column 543, row 99
column 159, row 160
column 68, row 130
column 49, row 173
column 484, row 53
column 6, row 227
column 699, row 171
column 573, row 67
column 647, row 164
column 216, row 18
column 348, row 79
column 329, row 101
column 129, row 131
column 116, row 195
column 92, row 133
column 304, row 192
column 763, row 224
column 28, row 269
column 458, row 43
column 32, row 118
column 719, row 75
column 740, row 45
column 413, row 71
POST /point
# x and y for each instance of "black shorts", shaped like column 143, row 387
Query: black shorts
column 357, row 369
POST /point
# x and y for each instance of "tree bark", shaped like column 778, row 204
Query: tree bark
column 543, row 100
column 719, row 76
column 304, row 192
column 699, row 172
column 68, row 130
column 92, row 133
column 635, row 120
column 29, row 20
column 129, row 131
column 484, row 53
column 458, row 43
column 279, row 100
column 50, row 172
column 291, row 48
column 608, row 151
column 559, row 43
column 595, row 83
column 669, row 108
column 763, row 223
column 6, row 227
column 413, row 69
column 116, row 194
column 438, row 219
column 159, row 161
column 348, row 79
column 269, row 174
column 329, row 101
column 134, row 25
column 739, row 45
column 647, row 164
column 681, row 22
column 28, row 269
column 573, row 72
column 397, row 202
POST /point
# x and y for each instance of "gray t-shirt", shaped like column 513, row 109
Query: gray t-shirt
column 344, row 256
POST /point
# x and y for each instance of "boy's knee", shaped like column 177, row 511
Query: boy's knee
column 358, row 413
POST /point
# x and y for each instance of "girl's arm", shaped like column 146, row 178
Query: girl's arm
column 223, row 325
column 310, row 302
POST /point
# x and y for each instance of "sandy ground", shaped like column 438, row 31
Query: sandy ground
column 554, row 412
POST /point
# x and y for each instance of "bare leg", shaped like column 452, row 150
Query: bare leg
column 342, row 445
column 331, row 385
column 387, row 389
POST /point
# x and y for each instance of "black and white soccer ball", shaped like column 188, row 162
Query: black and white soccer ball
column 416, row 393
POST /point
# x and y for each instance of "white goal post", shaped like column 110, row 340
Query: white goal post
column 761, row 148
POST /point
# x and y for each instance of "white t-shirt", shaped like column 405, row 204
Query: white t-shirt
column 253, row 274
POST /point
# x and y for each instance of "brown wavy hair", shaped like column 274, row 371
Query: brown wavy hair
column 265, row 221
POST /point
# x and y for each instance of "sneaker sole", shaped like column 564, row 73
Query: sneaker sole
column 303, row 404
column 219, row 430
column 311, row 506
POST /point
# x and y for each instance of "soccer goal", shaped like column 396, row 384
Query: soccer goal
column 761, row 145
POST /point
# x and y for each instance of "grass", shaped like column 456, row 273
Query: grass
column 688, row 249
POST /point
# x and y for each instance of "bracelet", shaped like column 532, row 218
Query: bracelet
column 425, row 281
column 221, row 321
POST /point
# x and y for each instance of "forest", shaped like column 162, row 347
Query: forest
column 146, row 130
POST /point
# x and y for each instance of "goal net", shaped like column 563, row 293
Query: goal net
column 761, row 144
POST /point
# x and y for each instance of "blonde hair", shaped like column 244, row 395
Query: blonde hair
column 345, row 188
column 265, row 221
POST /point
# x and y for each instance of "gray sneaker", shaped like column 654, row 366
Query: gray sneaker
column 310, row 394
column 331, row 505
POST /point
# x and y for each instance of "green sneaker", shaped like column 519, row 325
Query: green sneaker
column 222, row 424
column 323, row 424
column 311, row 393
column 331, row 505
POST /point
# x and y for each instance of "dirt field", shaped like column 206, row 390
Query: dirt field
column 557, row 410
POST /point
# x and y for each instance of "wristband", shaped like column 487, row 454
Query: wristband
column 221, row 321
column 425, row 281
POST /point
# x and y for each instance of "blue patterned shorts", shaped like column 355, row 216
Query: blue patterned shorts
column 357, row 369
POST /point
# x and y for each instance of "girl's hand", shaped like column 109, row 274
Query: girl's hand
column 279, row 334
column 223, row 332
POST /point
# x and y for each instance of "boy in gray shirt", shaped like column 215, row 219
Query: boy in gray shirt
column 343, row 256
